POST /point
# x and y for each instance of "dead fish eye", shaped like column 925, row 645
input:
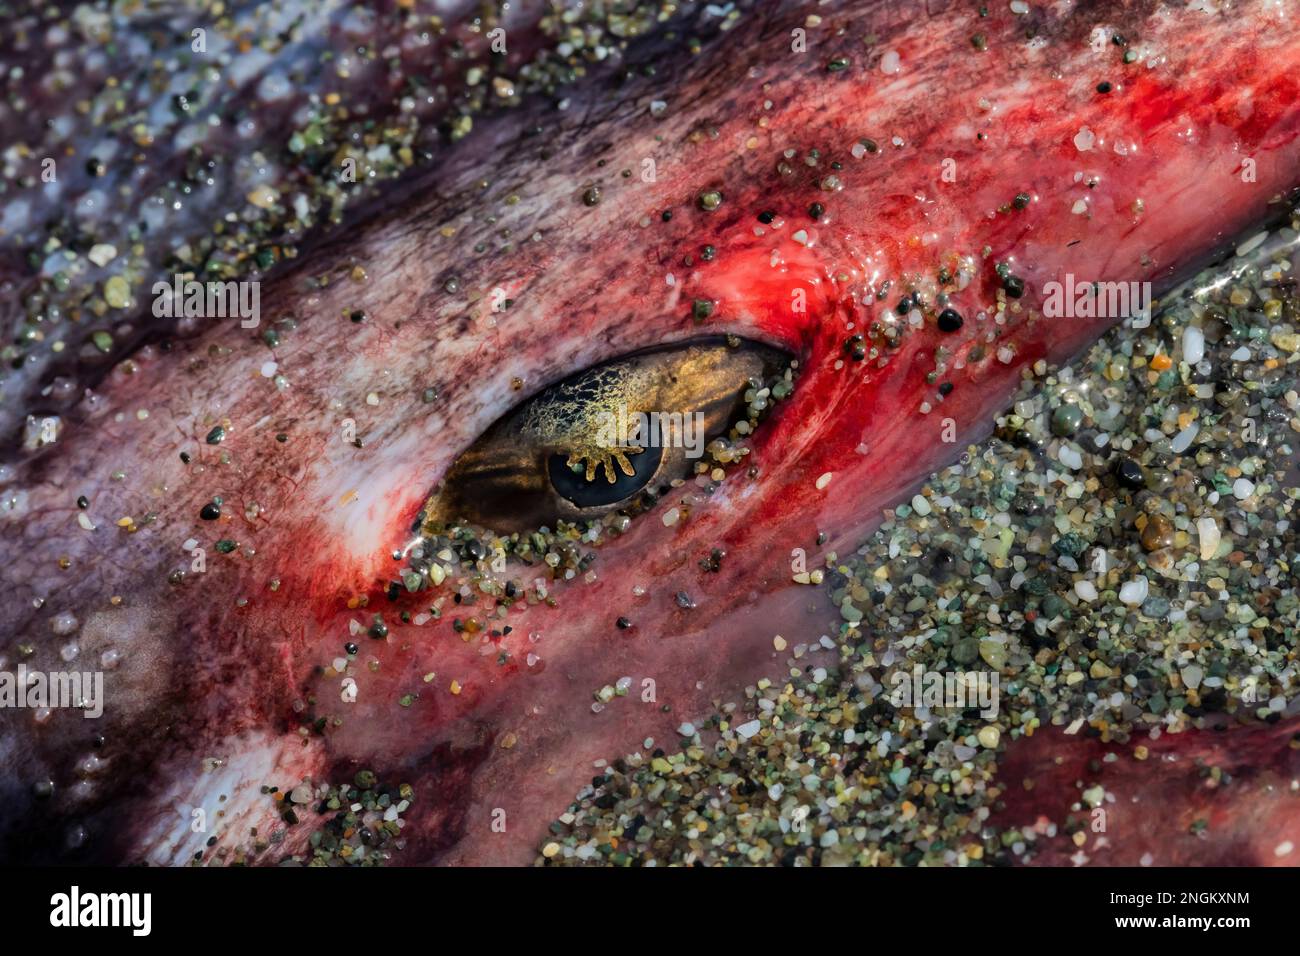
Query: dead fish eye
column 609, row 438
column 571, row 482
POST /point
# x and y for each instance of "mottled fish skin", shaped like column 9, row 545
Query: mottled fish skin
column 223, row 666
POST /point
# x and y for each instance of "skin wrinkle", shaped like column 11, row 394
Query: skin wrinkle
column 585, row 321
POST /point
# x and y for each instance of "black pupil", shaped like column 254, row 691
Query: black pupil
column 574, row 486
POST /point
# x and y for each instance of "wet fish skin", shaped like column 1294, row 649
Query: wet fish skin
column 1162, row 807
column 204, row 675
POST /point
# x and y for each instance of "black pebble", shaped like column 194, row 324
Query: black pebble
column 1014, row 286
column 83, row 502
column 950, row 320
column 210, row 512
column 1130, row 474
